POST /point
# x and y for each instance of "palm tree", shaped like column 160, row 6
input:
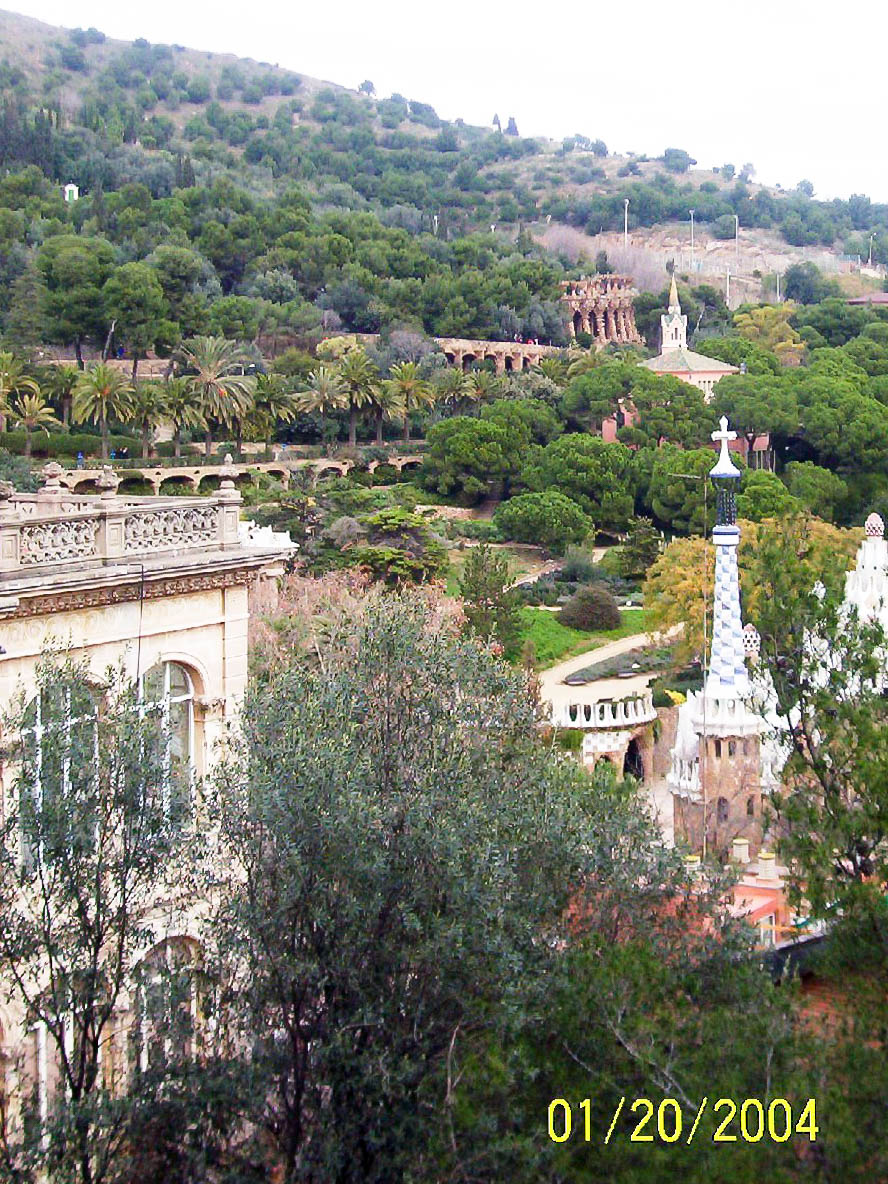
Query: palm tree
column 325, row 394
column 147, row 410
column 411, row 389
column 61, row 386
column 555, row 369
column 386, row 403
column 181, row 411
column 272, row 404
column 13, row 381
column 451, row 387
column 214, row 371
column 100, row 394
column 588, row 360
column 358, row 376
column 32, row 412
column 482, row 385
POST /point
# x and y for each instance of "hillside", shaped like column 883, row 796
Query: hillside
column 126, row 102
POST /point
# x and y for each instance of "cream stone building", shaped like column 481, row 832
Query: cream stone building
column 163, row 586
column 676, row 359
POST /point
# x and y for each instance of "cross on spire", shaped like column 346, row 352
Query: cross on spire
column 724, row 466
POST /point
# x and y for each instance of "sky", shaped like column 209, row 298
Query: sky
column 783, row 85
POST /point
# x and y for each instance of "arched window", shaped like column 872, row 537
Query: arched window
column 718, row 748
column 732, row 748
column 169, row 1001
column 166, row 694
column 750, row 807
column 59, row 755
column 722, row 810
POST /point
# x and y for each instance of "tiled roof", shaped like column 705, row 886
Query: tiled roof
column 673, row 361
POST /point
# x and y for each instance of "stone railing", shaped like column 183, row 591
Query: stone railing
column 54, row 527
column 606, row 713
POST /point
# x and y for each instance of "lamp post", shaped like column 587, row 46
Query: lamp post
column 869, row 261
column 737, row 241
column 691, row 212
column 625, row 221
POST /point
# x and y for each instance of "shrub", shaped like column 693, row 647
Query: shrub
column 578, row 566
column 589, row 608
column 549, row 519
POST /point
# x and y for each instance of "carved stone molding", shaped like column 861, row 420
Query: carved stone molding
column 54, row 542
column 85, row 598
column 161, row 530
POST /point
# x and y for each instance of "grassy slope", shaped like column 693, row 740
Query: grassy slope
column 555, row 642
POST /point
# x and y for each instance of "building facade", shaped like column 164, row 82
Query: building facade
column 676, row 359
column 163, row 588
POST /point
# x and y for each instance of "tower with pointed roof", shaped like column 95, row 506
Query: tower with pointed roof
column 673, row 323
column 722, row 760
column 676, row 359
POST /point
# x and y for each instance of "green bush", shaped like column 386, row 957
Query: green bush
column 591, row 607
column 64, row 444
column 549, row 519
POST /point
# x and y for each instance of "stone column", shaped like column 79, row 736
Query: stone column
column 584, row 324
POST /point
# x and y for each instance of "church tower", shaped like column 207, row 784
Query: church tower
column 673, row 325
column 721, row 765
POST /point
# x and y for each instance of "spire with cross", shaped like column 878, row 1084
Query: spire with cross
column 727, row 669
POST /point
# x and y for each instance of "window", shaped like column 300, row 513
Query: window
column 722, row 810
column 746, row 747
column 718, row 748
column 732, row 748
column 750, row 807
column 766, row 929
column 168, row 1005
column 59, row 748
column 167, row 695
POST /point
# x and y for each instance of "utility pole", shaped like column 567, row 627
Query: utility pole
column 869, row 261
column 737, row 241
column 691, row 212
column 728, row 287
column 625, row 221
column 778, row 287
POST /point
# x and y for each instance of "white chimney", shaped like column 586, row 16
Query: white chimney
column 692, row 865
column 767, row 866
column 740, row 850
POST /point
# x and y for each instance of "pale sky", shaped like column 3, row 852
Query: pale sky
column 789, row 86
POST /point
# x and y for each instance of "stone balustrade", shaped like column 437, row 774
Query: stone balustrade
column 54, row 527
column 606, row 713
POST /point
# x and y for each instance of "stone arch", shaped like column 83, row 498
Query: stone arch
column 325, row 471
column 409, row 464
column 467, row 360
column 209, row 483
column 577, row 320
column 134, row 483
column 176, row 482
column 633, row 764
column 87, row 486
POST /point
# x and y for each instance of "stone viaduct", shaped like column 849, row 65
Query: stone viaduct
column 602, row 306
column 200, row 478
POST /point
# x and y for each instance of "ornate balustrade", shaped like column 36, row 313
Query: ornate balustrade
column 54, row 527
column 606, row 713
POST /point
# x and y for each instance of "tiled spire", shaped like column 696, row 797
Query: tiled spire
column 727, row 677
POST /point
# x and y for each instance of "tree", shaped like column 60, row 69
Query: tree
column 135, row 305
column 768, row 326
column 85, row 837
column 25, row 326
column 411, row 390
column 677, row 160
column 804, row 284
column 214, row 370
column 73, row 270
column 548, row 519
column 379, row 910
column 180, row 410
column 758, row 405
column 367, row 87
column 591, row 607
column 325, row 393
column 102, row 393
column 597, row 476
column 147, row 409
column 826, row 667
column 677, row 494
column 763, row 495
column 61, row 386
column 470, row 458
column 358, row 376
column 667, row 409
column 491, row 608
column 540, row 420
column 273, row 403
column 816, row 488
column 641, row 548
column 13, row 381
column 32, row 413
